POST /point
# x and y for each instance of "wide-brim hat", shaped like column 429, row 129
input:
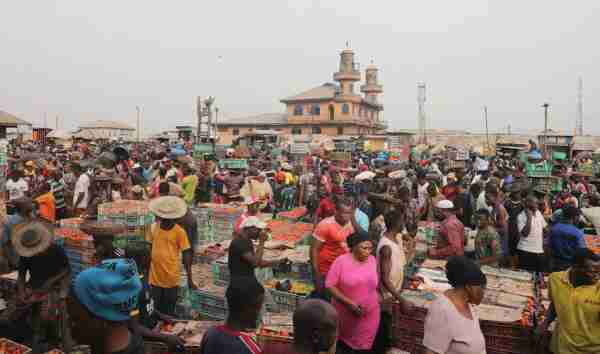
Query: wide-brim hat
column 168, row 207
column 366, row 175
column 398, row 174
column 32, row 238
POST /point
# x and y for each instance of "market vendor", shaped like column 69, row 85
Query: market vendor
column 574, row 304
column 245, row 297
column 252, row 207
column 169, row 245
column 49, row 275
column 315, row 327
column 329, row 242
column 242, row 257
column 99, row 308
column 146, row 317
column 452, row 324
column 452, row 232
column 257, row 187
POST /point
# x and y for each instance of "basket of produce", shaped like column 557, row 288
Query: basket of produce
column 7, row 346
column 294, row 214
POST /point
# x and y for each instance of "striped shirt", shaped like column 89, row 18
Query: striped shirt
column 58, row 190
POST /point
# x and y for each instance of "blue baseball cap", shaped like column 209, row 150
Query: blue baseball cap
column 109, row 290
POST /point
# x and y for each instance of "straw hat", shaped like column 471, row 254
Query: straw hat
column 32, row 238
column 398, row 174
column 168, row 207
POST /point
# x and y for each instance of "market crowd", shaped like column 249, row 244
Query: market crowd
column 366, row 214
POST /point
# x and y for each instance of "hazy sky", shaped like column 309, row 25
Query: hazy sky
column 85, row 60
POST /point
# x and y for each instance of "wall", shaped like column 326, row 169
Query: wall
column 369, row 115
column 226, row 135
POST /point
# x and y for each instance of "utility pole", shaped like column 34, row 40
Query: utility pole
column 487, row 133
column 137, row 108
column 216, row 123
column 56, row 125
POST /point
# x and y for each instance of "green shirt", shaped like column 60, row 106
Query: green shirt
column 483, row 243
column 188, row 184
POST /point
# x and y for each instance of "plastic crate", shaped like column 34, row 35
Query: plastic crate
column 542, row 169
column 547, row 184
column 220, row 272
column 285, row 301
column 239, row 164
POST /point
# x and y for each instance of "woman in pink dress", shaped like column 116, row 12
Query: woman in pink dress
column 352, row 281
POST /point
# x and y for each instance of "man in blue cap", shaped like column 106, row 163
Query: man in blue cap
column 100, row 304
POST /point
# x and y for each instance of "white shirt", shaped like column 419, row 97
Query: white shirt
column 16, row 189
column 82, row 186
column 422, row 194
column 534, row 243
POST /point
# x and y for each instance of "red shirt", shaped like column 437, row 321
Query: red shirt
column 452, row 239
column 333, row 236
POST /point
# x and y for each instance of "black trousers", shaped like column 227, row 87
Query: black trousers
column 165, row 299
column 533, row 262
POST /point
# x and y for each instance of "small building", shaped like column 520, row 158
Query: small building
column 106, row 129
column 12, row 127
column 556, row 144
column 331, row 109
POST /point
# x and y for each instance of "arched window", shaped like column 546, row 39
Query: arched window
column 296, row 130
column 331, row 112
column 345, row 108
column 298, row 110
column 316, row 130
column 316, row 109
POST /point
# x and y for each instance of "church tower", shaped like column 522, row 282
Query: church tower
column 348, row 74
column 371, row 88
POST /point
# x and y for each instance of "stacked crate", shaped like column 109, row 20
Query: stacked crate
column 133, row 214
column 79, row 248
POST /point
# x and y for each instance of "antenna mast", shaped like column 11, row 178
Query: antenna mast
column 579, row 127
column 422, row 119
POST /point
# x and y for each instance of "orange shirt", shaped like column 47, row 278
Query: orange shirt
column 47, row 206
column 333, row 236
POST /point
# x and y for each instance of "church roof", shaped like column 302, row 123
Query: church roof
column 323, row 92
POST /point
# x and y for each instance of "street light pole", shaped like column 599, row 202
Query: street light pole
column 487, row 133
column 137, row 108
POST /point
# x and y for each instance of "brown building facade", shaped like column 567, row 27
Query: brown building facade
column 331, row 109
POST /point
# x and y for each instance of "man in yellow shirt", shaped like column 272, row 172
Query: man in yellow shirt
column 169, row 244
column 575, row 296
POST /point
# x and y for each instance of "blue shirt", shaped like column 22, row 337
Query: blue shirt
column 362, row 220
column 147, row 173
column 11, row 221
column 565, row 239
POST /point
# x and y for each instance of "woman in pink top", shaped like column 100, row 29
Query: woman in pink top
column 352, row 281
column 452, row 326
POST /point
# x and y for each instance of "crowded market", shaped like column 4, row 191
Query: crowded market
column 158, row 247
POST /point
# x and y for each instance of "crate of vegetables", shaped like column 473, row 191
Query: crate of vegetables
column 7, row 346
column 287, row 294
column 294, row 214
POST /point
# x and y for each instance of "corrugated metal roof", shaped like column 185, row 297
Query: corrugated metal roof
column 106, row 124
column 9, row 120
column 323, row 92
